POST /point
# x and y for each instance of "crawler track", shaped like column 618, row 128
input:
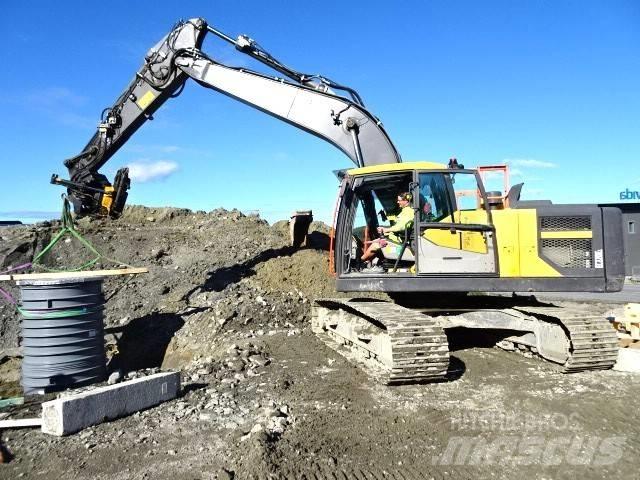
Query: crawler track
column 398, row 344
column 593, row 342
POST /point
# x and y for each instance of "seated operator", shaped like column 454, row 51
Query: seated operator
column 403, row 221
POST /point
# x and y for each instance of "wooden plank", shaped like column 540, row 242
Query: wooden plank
column 19, row 423
column 85, row 274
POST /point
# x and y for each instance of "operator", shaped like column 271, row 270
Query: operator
column 403, row 221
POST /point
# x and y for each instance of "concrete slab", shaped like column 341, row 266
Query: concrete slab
column 628, row 360
column 72, row 413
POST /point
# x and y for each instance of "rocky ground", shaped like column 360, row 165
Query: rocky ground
column 226, row 302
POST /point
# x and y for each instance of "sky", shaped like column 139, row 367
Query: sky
column 551, row 88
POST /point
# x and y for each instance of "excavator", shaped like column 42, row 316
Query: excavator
column 462, row 244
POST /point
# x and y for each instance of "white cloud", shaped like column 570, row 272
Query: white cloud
column 54, row 97
column 29, row 213
column 146, row 171
column 530, row 163
column 492, row 175
column 57, row 103
column 28, row 216
column 532, row 191
column 516, row 172
column 169, row 148
column 151, row 149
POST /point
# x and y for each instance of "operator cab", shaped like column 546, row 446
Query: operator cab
column 451, row 234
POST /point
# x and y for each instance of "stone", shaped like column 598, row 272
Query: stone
column 628, row 360
column 259, row 360
column 257, row 428
column 225, row 474
column 236, row 365
column 115, row 377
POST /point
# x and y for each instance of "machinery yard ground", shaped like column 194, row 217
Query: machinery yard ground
column 227, row 303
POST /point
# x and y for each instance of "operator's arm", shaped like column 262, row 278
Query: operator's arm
column 404, row 218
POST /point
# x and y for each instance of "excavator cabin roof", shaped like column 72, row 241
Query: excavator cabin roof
column 396, row 167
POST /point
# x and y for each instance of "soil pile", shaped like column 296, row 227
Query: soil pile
column 206, row 269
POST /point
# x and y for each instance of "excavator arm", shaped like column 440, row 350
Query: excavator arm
column 308, row 102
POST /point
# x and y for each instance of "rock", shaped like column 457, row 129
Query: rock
column 115, row 377
column 506, row 345
column 236, row 365
column 270, row 412
column 259, row 360
column 225, row 474
column 257, row 428
column 277, row 425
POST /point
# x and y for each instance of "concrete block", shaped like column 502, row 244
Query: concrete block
column 628, row 360
column 72, row 413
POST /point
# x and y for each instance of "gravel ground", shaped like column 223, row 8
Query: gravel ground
column 226, row 302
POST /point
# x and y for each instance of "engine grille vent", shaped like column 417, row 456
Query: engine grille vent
column 568, row 252
column 548, row 224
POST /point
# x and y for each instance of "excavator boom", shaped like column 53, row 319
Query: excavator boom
column 308, row 102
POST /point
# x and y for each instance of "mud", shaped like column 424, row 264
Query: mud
column 226, row 301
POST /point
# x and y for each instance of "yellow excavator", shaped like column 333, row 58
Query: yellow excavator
column 461, row 239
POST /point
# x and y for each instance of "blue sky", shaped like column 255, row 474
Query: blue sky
column 552, row 87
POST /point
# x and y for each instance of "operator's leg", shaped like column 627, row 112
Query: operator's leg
column 371, row 251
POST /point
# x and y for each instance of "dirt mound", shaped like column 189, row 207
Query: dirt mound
column 207, row 272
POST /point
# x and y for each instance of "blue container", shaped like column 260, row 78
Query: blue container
column 62, row 334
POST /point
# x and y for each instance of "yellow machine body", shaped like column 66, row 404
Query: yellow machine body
column 517, row 230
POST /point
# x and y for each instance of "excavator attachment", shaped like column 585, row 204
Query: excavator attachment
column 121, row 185
column 98, row 198
column 299, row 227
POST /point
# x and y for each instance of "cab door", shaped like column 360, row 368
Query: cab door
column 455, row 233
